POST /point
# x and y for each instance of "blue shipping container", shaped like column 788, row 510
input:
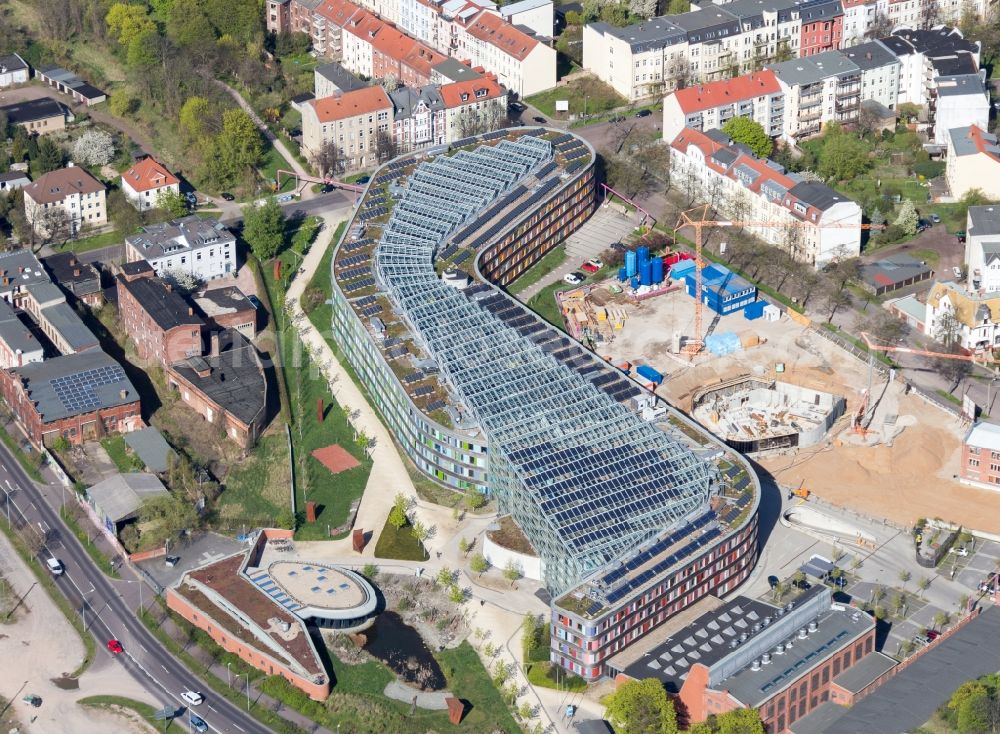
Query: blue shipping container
column 631, row 264
column 622, row 274
column 643, row 253
column 657, row 270
column 635, row 281
column 754, row 310
column 646, row 273
column 649, row 373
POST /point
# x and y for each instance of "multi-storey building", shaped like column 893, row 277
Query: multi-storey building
column 332, row 79
column 822, row 28
column 879, row 72
column 146, row 181
column 757, row 96
column 160, row 323
column 522, row 64
column 557, row 437
column 538, row 15
column 818, row 89
column 925, row 55
column 418, row 117
column 639, row 61
column 973, row 162
column 57, row 319
column 783, row 661
column 859, row 18
column 42, row 116
column 352, row 121
column 201, row 248
column 65, row 200
column 18, row 346
column 959, row 100
column 981, row 457
column 747, row 188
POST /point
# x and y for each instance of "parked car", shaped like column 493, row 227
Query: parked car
column 198, row 724
column 192, row 697
column 923, row 224
column 539, row 120
column 618, row 247
column 643, row 113
column 936, row 219
column 933, row 634
column 227, row 196
column 115, row 647
column 364, row 179
column 920, row 640
column 960, row 551
column 961, row 236
column 55, row 566
column 574, row 278
column 957, row 272
column 191, row 198
column 592, row 265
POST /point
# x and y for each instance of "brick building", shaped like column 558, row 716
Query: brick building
column 227, row 308
column 981, row 457
column 81, row 397
column 161, row 324
column 78, row 279
column 226, row 386
column 783, row 661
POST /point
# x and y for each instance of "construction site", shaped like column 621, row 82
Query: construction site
column 757, row 416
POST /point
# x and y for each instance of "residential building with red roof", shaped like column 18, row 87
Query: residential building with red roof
column 352, row 121
column 146, row 180
column 757, row 96
column 522, row 64
column 473, row 107
column 751, row 189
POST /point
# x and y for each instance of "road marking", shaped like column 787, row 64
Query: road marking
column 164, row 668
column 238, row 726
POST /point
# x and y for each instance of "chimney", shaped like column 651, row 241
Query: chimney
column 123, row 394
column 190, row 311
column 76, row 272
column 170, row 288
column 215, row 344
column 813, row 626
column 72, row 261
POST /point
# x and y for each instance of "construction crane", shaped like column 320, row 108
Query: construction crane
column 875, row 347
column 693, row 346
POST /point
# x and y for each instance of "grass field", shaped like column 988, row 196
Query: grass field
column 95, row 242
column 399, row 544
column 26, row 461
column 143, row 710
column 586, row 95
column 544, row 304
column 552, row 260
column 118, row 451
column 257, row 489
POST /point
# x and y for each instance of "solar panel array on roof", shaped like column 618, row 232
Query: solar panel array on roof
column 371, row 310
column 365, row 301
column 76, row 392
column 423, row 390
column 356, row 245
column 436, row 405
column 591, row 478
column 564, row 138
column 353, row 260
column 463, row 142
column 546, row 169
column 448, row 252
column 353, row 273
column 462, row 257
column 396, row 352
column 358, row 285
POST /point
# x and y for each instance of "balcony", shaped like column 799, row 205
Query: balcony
column 848, row 105
column 807, row 130
column 807, row 100
column 811, row 115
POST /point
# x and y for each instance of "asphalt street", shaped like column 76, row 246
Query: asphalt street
column 108, row 616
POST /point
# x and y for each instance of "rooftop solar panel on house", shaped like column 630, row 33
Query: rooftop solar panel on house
column 423, row 390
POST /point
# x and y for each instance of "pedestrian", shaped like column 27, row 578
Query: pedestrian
column 482, row 602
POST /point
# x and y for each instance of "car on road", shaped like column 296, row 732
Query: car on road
column 923, row 224
column 192, row 697
column 936, row 219
column 285, row 198
column 592, row 265
column 198, row 724
column 957, row 272
column 643, row 113
column 115, row 647
column 960, row 551
column 539, row 120
column 227, row 196
column 54, row 565
column 574, row 278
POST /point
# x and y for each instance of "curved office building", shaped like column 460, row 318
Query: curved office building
column 485, row 396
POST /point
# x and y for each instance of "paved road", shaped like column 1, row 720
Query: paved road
column 108, row 615
column 332, row 202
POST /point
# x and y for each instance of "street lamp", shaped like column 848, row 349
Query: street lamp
column 229, row 674
column 248, row 691
column 136, row 581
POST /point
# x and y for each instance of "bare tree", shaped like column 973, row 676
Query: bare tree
column 868, row 120
column 947, row 329
column 328, row 159
column 489, row 117
column 880, row 27
column 385, row 146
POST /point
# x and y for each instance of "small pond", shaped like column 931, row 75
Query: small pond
column 402, row 648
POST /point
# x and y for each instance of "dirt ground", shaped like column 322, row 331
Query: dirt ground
column 914, row 477
column 46, row 647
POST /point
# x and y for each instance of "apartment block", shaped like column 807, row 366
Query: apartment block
column 822, row 28
column 68, row 198
column 973, row 162
column 707, row 106
column 981, row 457
column 959, row 100
column 818, row 89
column 640, row 61
column 204, row 249
column 352, row 121
column 879, row 72
column 522, row 64
column 925, row 55
column 748, row 188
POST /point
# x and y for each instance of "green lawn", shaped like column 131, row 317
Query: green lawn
column 94, row 242
column 84, row 536
column 931, row 257
column 357, row 705
column 257, row 488
column 547, row 675
column 118, row 451
column 586, row 95
column 544, row 304
column 399, row 544
column 28, row 462
column 333, row 494
column 142, row 709
column 549, row 262
column 270, row 163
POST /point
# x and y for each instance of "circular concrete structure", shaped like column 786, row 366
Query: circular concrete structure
column 330, row 596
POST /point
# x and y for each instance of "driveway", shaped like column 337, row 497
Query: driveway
column 936, row 239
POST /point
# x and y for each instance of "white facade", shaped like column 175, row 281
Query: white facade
column 704, row 107
column 201, row 248
column 538, row 15
column 858, row 18
column 13, row 70
column 973, row 162
column 357, row 52
column 74, row 191
column 961, row 101
column 523, row 65
column 636, row 70
column 419, row 19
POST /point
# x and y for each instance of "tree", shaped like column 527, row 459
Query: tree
column 836, row 298
column 778, row 590
column 172, row 203
column 676, row 7
column 123, row 104
column 419, row 531
column 370, row 571
column 169, row 515
column 953, row 370
column 511, row 571
column 941, row 619
column 237, row 149
column 196, row 118
column 843, row 156
column 947, row 328
column 456, row 594
column 751, row 133
column 798, row 578
column 128, row 22
column 125, row 217
column 328, row 159
column 390, row 83
column 739, row 721
column 479, row 564
column 907, row 219
column 285, row 519
column 264, row 228
column 94, row 148
column 397, row 517
column 641, row 707
column 50, row 157
column 922, row 584
column 446, row 577
column 464, row 546
column 385, row 146
column 904, row 577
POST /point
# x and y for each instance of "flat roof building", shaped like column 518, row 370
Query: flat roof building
column 202, row 248
column 117, row 499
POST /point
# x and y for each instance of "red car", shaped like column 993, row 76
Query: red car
column 933, row 634
column 592, row 266
column 114, row 647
